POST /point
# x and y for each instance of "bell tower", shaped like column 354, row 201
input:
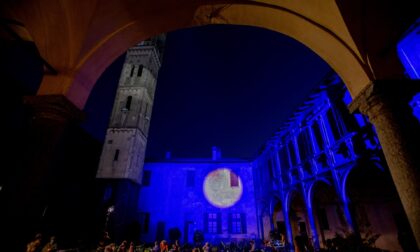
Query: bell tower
column 121, row 163
column 125, row 143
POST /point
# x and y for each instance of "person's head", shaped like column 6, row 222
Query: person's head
column 38, row 236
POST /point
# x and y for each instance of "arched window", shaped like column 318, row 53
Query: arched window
column 132, row 70
column 318, row 135
column 140, row 71
column 116, row 154
column 128, row 102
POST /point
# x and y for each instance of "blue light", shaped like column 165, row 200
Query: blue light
column 408, row 50
column 415, row 105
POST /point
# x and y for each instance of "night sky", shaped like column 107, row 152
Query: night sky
column 226, row 86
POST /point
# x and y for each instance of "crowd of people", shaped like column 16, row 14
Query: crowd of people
column 37, row 245
column 106, row 244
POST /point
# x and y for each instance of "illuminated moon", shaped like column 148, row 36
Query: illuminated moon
column 222, row 188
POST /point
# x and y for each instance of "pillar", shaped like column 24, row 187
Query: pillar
column 30, row 190
column 386, row 103
column 289, row 233
column 310, row 213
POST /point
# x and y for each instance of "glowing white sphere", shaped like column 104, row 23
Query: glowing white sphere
column 222, row 188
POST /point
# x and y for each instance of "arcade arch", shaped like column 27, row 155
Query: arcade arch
column 369, row 189
column 299, row 220
column 327, row 211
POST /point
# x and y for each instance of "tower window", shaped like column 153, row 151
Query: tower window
column 140, row 71
column 116, row 154
column 128, row 102
column 132, row 71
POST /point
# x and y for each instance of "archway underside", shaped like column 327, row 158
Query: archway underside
column 94, row 36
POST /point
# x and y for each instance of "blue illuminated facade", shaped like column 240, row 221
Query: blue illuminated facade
column 315, row 171
column 409, row 51
column 322, row 173
column 173, row 197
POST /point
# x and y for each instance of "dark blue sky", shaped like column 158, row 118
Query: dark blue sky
column 228, row 86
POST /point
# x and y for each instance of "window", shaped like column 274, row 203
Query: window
column 128, row 102
column 292, row 152
column 144, row 222
column 318, row 135
column 304, row 141
column 116, row 154
column 140, row 71
column 190, row 178
column 333, row 124
column 213, row 223
column 132, row 71
column 146, row 178
column 237, row 224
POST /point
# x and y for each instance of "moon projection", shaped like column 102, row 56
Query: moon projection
column 222, row 188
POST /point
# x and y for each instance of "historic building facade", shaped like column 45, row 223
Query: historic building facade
column 326, row 175
column 322, row 174
column 213, row 196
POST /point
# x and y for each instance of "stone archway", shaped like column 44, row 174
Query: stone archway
column 91, row 36
column 278, row 219
column 376, row 207
column 327, row 211
column 299, row 219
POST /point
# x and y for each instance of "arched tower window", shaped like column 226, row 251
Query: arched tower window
column 132, row 70
column 116, row 154
column 128, row 102
column 140, row 71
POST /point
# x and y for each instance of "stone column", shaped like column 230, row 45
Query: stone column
column 310, row 214
column 30, row 191
column 289, row 233
column 386, row 103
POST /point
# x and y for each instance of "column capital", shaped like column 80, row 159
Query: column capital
column 53, row 107
column 378, row 93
